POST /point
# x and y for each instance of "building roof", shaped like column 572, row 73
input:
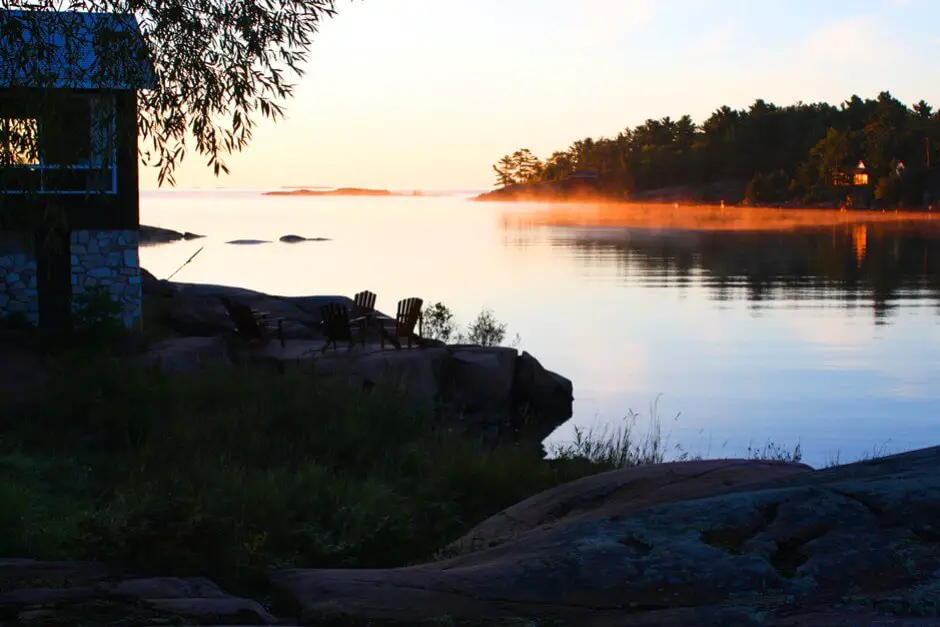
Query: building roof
column 71, row 49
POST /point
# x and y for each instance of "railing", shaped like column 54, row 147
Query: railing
column 58, row 179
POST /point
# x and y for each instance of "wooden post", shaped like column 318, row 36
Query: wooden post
column 54, row 273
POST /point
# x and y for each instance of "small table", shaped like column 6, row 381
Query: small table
column 374, row 317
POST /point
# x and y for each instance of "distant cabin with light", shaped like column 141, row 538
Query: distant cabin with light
column 860, row 175
column 69, row 205
column 855, row 186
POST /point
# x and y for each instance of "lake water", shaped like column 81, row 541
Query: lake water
column 818, row 328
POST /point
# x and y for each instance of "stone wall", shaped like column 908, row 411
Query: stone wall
column 18, row 276
column 108, row 260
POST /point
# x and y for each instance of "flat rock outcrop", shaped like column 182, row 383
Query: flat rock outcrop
column 492, row 381
column 195, row 309
column 721, row 542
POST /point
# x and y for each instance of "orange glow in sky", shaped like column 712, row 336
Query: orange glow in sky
column 427, row 94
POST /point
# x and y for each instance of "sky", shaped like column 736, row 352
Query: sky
column 428, row 94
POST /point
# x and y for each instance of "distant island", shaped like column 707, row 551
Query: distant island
column 864, row 153
column 342, row 191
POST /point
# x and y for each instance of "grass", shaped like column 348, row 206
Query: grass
column 625, row 447
column 228, row 473
column 619, row 447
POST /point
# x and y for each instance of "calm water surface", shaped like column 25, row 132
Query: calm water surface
column 826, row 335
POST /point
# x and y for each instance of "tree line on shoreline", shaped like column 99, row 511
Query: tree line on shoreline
column 803, row 153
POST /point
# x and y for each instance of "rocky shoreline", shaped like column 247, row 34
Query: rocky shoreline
column 727, row 193
column 485, row 381
column 719, row 542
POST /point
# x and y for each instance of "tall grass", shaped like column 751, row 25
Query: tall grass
column 620, row 447
column 229, row 472
column 624, row 446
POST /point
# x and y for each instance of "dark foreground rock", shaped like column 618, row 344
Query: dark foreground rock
column 155, row 235
column 710, row 543
column 695, row 543
column 76, row 593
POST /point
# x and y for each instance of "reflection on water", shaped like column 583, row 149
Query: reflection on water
column 819, row 327
column 878, row 263
column 676, row 217
column 860, row 242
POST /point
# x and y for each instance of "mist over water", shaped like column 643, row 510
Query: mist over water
column 816, row 327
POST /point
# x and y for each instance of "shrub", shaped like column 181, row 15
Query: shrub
column 97, row 310
column 97, row 328
column 439, row 323
column 486, row 330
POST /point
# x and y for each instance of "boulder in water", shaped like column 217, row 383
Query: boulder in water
column 294, row 239
column 150, row 235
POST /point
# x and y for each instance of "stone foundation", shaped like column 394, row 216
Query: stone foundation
column 108, row 260
column 100, row 259
column 19, row 295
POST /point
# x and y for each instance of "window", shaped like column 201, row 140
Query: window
column 20, row 141
column 19, row 153
column 69, row 149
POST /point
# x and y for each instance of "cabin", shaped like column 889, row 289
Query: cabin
column 856, row 184
column 861, row 193
column 860, row 175
column 856, row 177
column 69, row 202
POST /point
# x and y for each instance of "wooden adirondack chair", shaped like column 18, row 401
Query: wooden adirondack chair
column 253, row 326
column 364, row 301
column 364, row 308
column 408, row 315
column 336, row 325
